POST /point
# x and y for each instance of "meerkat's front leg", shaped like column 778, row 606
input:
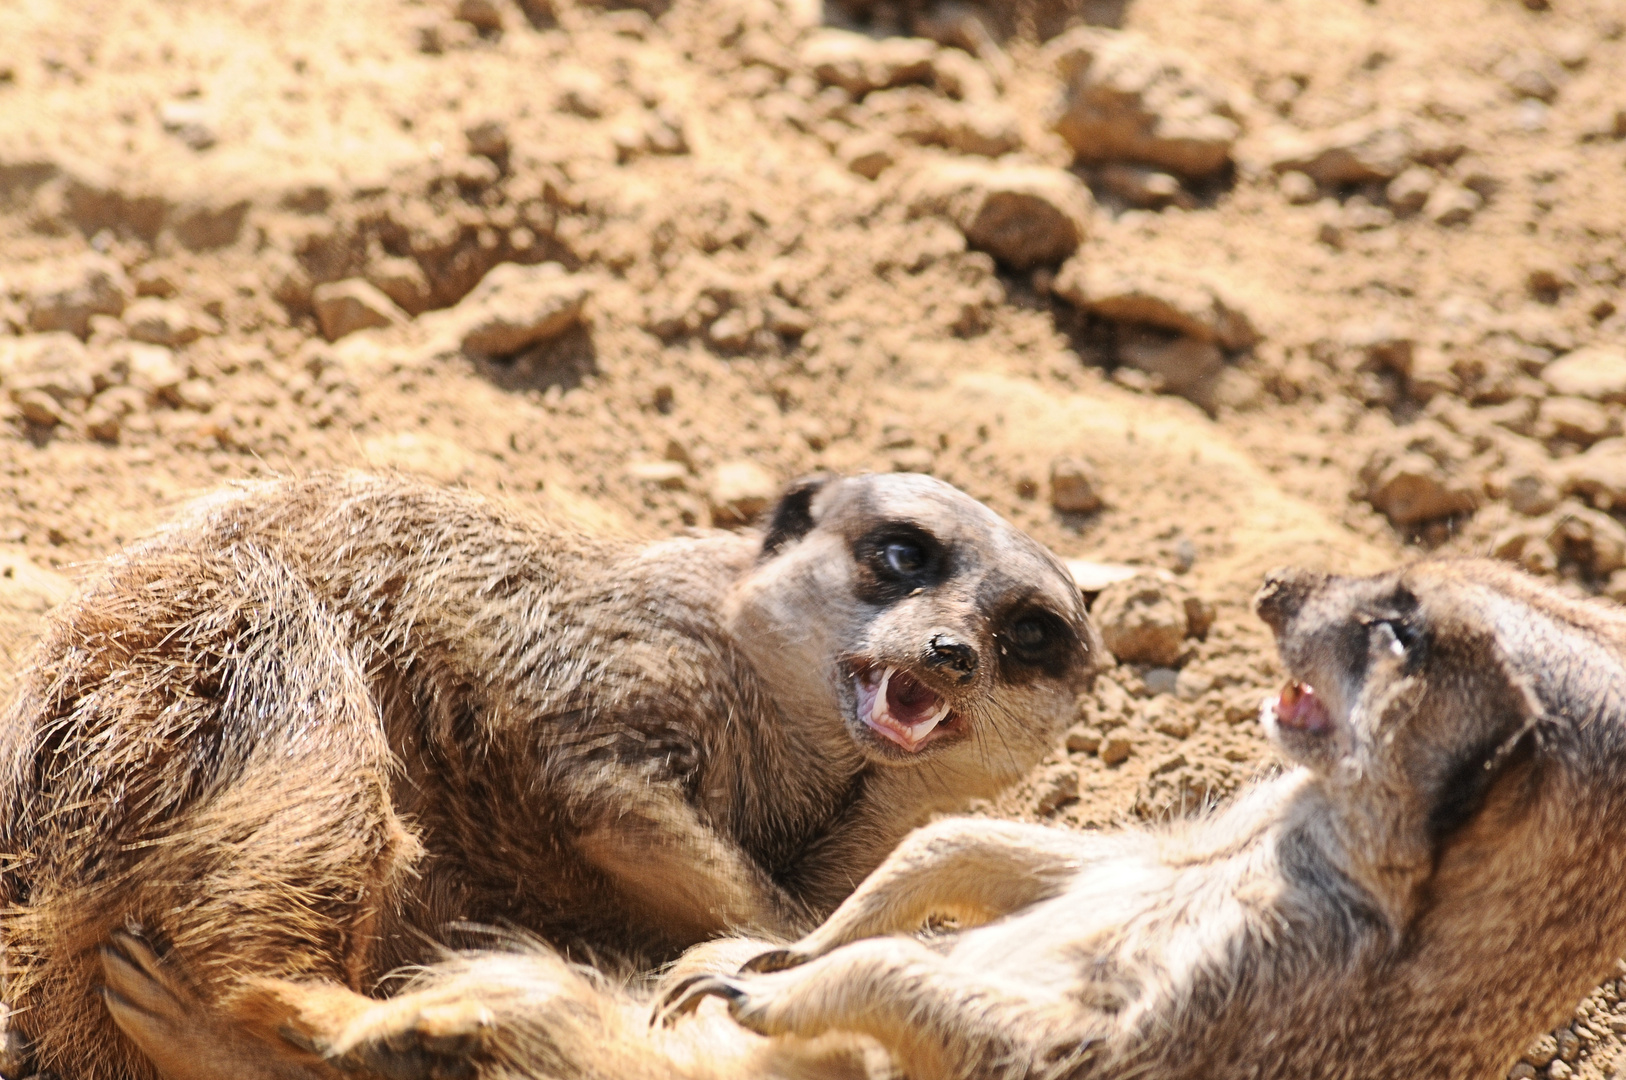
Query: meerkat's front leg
column 653, row 844
column 938, row 1022
column 972, row 869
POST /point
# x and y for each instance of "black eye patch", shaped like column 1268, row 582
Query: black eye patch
column 896, row 559
column 1034, row 640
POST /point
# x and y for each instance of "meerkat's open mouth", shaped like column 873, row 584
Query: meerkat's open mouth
column 1298, row 708
column 900, row 708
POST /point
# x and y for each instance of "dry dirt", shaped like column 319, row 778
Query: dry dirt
column 1385, row 322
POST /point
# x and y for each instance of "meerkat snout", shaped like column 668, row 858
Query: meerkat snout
column 945, row 651
column 1283, row 593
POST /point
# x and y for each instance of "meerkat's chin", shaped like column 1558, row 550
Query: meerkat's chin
column 900, row 708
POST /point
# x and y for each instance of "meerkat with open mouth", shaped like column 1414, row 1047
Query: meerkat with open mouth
column 1433, row 884
column 297, row 733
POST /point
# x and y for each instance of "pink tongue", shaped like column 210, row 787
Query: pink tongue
column 909, row 713
column 1300, row 709
column 908, row 701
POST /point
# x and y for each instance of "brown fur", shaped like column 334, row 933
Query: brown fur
column 299, row 732
column 1460, row 818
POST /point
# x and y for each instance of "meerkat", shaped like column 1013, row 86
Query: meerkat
column 1433, row 882
column 300, row 731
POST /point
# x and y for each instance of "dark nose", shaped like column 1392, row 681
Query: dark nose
column 1283, row 593
column 947, row 651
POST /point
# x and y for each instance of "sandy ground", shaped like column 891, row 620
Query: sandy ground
column 240, row 238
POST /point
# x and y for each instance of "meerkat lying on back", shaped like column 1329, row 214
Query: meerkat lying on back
column 296, row 734
column 1436, row 882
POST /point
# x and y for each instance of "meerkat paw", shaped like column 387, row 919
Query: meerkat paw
column 749, row 1002
column 775, row 960
column 150, row 1002
column 417, row 1036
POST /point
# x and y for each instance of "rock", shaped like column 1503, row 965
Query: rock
column 860, row 64
column 1576, row 420
column 1144, row 188
column 1569, row 1044
column 190, row 121
column 1541, row 1052
column 1596, row 372
column 1142, row 621
column 1374, row 148
column 1531, row 494
column 514, row 307
column 55, row 365
column 96, row 285
column 581, row 92
column 913, row 113
column 1115, row 750
column 484, row 15
column 868, row 155
column 1598, row 476
column 1156, row 295
column 1381, row 343
column 739, row 491
column 164, row 322
column 1452, row 204
column 1522, row 1071
column 1054, row 787
column 1298, row 188
column 489, row 138
column 1560, row 1070
column 1075, row 487
column 153, row 280
column 343, row 307
column 1409, row 192
column 1083, row 740
column 1590, row 539
column 1023, row 215
column 153, row 370
column 1185, row 366
column 1412, row 487
column 671, row 475
column 1162, row 680
column 403, row 281
column 1092, row 577
column 1126, row 99
column 1529, row 74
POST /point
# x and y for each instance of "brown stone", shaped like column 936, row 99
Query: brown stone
column 1596, row 372
column 859, row 64
column 343, row 307
column 1023, row 215
column 1127, row 99
column 1142, row 621
column 515, row 307
column 739, row 491
column 1075, row 487
column 95, row 285
column 1188, row 302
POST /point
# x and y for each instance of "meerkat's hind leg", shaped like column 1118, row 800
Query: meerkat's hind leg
column 155, row 1005
column 972, row 869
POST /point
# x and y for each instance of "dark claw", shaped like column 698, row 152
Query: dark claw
column 773, row 960
column 685, row 997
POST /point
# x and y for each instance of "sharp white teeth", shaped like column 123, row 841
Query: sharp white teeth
column 924, row 728
column 878, row 708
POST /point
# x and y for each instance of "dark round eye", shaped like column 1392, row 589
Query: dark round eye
column 1393, row 636
column 1030, row 634
column 905, row 557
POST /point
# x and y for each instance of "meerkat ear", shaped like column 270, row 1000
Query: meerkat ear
column 792, row 517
